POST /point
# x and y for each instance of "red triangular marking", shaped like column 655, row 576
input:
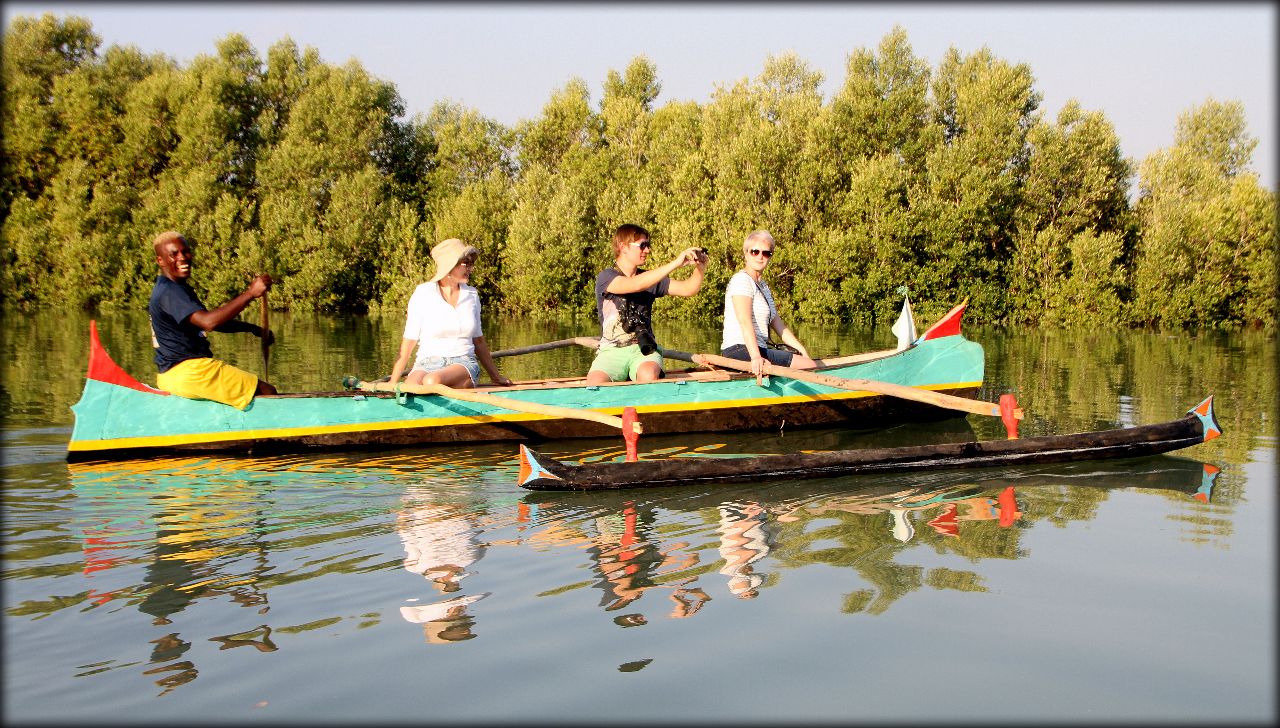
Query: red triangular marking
column 948, row 325
column 103, row 369
column 945, row 523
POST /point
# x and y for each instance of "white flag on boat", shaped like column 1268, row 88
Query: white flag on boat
column 905, row 329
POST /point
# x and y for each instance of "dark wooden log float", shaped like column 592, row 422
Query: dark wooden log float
column 538, row 472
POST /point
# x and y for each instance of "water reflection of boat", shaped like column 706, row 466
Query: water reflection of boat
column 762, row 531
column 539, row 472
column 880, row 493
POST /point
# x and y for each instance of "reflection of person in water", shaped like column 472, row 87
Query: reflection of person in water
column 951, row 506
column 192, row 536
column 440, row 543
column 446, row 621
column 745, row 537
column 628, row 559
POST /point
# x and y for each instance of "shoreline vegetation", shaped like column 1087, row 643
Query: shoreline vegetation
column 947, row 179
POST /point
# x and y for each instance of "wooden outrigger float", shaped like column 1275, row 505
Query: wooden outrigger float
column 539, row 472
column 120, row 417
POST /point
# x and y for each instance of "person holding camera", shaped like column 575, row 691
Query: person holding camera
column 750, row 312
column 625, row 294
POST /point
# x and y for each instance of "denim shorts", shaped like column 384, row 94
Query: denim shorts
column 435, row 363
column 781, row 357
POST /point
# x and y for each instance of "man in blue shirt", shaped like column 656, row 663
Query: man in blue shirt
column 179, row 322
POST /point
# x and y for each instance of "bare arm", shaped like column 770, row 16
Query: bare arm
column 402, row 361
column 788, row 337
column 486, row 361
column 623, row 285
column 742, row 311
column 691, row 285
column 222, row 318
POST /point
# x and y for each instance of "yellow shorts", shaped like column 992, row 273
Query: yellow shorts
column 209, row 379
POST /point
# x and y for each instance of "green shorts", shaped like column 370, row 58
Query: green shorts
column 622, row 362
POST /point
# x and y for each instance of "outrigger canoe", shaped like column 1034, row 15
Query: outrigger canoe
column 120, row 417
column 539, row 472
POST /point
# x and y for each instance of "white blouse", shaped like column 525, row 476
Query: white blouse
column 441, row 329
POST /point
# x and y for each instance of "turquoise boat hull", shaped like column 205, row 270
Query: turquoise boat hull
column 118, row 417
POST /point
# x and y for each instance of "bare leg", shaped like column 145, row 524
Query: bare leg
column 595, row 376
column 648, row 372
column 803, row 362
column 454, row 375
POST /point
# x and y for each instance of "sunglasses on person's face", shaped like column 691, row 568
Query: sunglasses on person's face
column 643, row 245
column 766, row 253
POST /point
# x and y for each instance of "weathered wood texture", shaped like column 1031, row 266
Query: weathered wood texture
column 1124, row 443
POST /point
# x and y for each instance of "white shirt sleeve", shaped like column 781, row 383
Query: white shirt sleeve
column 413, row 321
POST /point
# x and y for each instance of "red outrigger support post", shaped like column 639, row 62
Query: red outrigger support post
column 1007, row 406
column 629, row 434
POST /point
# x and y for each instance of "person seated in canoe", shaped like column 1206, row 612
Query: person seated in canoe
column 625, row 294
column 179, row 322
column 750, row 312
column 443, row 321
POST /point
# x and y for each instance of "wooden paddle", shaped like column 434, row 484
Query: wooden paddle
column 506, row 403
column 589, row 342
column 266, row 344
column 901, row 391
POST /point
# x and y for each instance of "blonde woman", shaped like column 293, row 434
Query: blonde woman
column 750, row 312
column 444, row 323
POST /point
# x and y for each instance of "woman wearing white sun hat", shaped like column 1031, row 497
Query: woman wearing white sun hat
column 444, row 323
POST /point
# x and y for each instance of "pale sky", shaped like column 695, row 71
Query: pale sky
column 1141, row 64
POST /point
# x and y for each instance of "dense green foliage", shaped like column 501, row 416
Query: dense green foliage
column 948, row 180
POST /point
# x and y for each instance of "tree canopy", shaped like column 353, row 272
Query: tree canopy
column 949, row 180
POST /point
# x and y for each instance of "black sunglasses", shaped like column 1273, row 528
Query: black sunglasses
column 643, row 244
column 765, row 253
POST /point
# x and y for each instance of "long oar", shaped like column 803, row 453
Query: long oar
column 901, row 391
column 266, row 344
column 506, row 403
column 589, row 342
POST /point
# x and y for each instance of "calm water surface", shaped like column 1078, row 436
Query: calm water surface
column 424, row 585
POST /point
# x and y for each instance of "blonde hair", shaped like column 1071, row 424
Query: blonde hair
column 762, row 235
column 168, row 236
